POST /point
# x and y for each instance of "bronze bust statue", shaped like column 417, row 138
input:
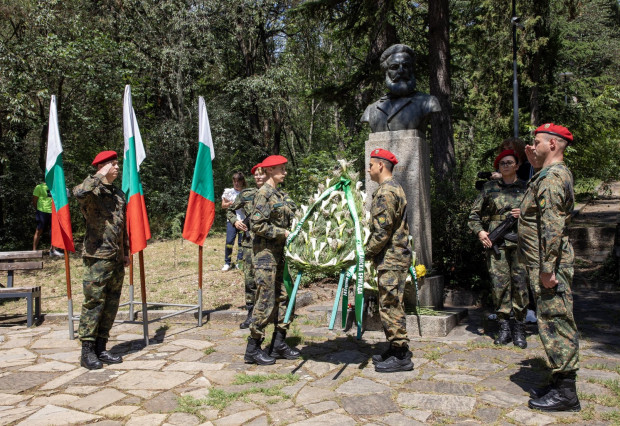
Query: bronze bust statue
column 402, row 108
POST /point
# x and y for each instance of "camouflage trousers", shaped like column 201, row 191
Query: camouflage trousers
column 391, row 307
column 102, row 285
column 556, row 324
column 271, row 300
column 248, row 272
column 509, row 281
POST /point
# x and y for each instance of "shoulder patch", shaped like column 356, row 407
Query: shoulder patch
column 542, row 202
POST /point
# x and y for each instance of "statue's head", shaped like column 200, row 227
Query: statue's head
column 397, row 62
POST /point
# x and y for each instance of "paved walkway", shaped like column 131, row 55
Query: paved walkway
column 190, row 376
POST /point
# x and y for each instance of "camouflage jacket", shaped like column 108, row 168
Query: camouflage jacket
column 388, row 246
column 104, row 209
column 493, row 205
column 272, row 217
column 244, row 201
column 545, row 212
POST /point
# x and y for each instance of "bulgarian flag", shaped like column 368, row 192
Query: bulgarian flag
column 62, row 235
column 137, row 221
column 201, row 205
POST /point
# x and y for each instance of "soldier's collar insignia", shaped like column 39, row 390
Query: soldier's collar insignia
column 547, row 125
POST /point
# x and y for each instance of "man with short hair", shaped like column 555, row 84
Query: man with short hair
column 544, row 247
column 105, row 254
column 389, row 249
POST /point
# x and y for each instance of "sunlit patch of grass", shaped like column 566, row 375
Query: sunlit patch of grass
column 604, row 367
column 480, row 344
column 242, row 379
column 209, row 351
column 433, row 355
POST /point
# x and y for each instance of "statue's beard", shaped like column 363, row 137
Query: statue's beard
column 400, row 88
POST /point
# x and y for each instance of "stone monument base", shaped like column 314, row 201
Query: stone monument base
column 438, row 325
column 430, row 289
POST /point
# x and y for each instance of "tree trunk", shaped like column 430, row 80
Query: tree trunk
column 439, row 46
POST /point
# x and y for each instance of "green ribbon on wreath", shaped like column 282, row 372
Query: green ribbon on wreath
column 344, row 185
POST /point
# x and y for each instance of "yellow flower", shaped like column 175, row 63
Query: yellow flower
column 420, row 271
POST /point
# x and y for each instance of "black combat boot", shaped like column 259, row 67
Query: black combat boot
column 103, row 355
column 279, row 348
column 385, row 355
column 504, row 336
column 562, row 397
column 248, row 320
column 400, row 360
column 89, row 357
column 536, row 393
column 255, row 355
column 518, row 334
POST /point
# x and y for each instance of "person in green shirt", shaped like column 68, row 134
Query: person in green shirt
column 42, row 202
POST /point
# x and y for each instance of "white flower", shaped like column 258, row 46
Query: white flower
column 366, row 235
column 338, row 216
column 332, row 208
column 316, row 215
column 341, row 228
column 327, row 181
column 358, row 185
column 339, row 243
column 363, row 194
column 370, row 287
column 351, row 256
column 332, row 262
column 367, row 216
column 294, row 224
column 304, row 209
column 313, row 242
column 324, row 204
column 328, row 227
column 305, row 236
column 310, row 226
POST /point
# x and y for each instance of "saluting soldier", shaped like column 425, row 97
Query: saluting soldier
column 499, row 199
column 389, row 249
column 105, row 254
column 245, row 203
column 270, row 221
column 548, row 256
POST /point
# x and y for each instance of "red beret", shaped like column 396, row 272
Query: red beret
column 104, row 156
column 555, row 130
column 256, row 167
column 384, row 154
column 504, row 153
column 273, row 160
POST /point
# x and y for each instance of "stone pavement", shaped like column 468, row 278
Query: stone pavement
column 190, row 375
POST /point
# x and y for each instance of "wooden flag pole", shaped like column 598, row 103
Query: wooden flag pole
column 131, row 318
column 145, row 320
column 199, row 286
column 69, row 297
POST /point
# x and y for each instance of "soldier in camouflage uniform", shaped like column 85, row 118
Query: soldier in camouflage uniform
column 498, row 199
column 389, row 249
column 245, row 202
column 272, row 216
column 105, row 254
column 548, row 256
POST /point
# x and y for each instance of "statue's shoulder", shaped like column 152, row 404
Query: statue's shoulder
column 430, row 102
column 369, row 110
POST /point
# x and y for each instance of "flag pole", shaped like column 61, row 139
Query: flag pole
column 145, row 320
column 131, row 318
column 69, row 297
column 199, row 286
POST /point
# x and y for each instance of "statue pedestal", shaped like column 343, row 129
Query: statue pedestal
column 413, row 172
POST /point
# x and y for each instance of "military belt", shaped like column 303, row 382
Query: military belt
column 498, row 217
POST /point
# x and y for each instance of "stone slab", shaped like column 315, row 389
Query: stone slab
column 96, row 401
column 448, row 404
column 503, row 399
column 361, row 386
column 58, row 399
column 53, row 415
column 529, row 417
column 331, row 418
column 51, row 366
column 165, row 402
column 182, row 419
column 24, row 380
column 365, row 405
column 151, row 380
column 147, row 420
column 15, row 414
column 320, row 407
column 238, row 419
column 16, row 357
column 140, row 365
column 118, row 410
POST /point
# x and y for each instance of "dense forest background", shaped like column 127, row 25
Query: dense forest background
column 293, row 77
